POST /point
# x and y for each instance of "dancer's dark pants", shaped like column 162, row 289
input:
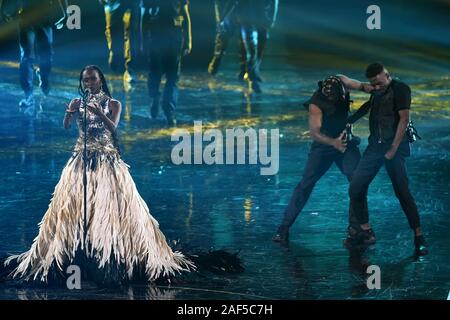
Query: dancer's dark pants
column 254, row 40
column 122, row 35
column 224, row 32
column 371, row 162
column 35, row 45
column 164, row 53
column 320, row 159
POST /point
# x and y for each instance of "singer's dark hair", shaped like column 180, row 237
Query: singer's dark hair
column 105, row 88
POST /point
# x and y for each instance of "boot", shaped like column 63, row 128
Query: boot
column 282, row 236
column 213, row 66
column 420, row 246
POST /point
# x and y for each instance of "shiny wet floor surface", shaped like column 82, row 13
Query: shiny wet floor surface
column 233, row 207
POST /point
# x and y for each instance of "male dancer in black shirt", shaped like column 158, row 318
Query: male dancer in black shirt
column 388, row 145
column 328, row 115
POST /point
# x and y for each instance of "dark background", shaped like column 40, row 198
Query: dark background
column 308, row 34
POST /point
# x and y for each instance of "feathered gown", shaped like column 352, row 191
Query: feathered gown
column 120, row 229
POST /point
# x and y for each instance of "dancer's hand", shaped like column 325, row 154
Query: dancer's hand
column 95, row 108
column 340, row 142
column 187, row 51
column 367, row 87
column 390, row 154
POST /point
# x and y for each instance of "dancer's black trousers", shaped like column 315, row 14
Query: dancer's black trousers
column 320, row 159
column 371, row 162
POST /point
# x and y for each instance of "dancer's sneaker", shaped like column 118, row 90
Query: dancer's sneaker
column 356, row 236
column 254, row 85
column 242, row 75
column 420, row 246
column 127, row 77
column 213, row 66
column 171, row 121
column 281, row 237
column 27, row 105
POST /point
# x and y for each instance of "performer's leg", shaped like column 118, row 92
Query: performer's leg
column 367, row 169
column 27, row 57
column 319, row 161
column 223, row 34
column 44, row 44
column 396, row 170
column 127, row 45
column 154, row 77
column 250, row 38
column 263, row 35
column 171, row 63
column 114, row 36
column 136, row 45
column 221, row 43
column 242, row 59
column 347, row 164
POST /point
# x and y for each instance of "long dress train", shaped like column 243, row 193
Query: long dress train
column 120, row 229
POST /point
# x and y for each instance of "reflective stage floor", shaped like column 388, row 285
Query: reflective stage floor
column 233, row 207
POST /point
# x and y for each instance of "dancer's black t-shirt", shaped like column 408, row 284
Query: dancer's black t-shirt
column 334, row 115
column 387, row 105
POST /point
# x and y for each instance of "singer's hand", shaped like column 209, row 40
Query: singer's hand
column 73, row 106
column 95, row 108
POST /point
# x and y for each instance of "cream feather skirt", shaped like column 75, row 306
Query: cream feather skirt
column 120, row 228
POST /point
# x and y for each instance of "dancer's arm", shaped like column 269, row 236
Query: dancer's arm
column 112, row 119
column 361, row 112
column 72, row 108
column 187, row 30
column 315, row 123
column 354, row 84
column 275, row 13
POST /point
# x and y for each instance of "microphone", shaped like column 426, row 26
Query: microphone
column 87, row 96
column 87, row 93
